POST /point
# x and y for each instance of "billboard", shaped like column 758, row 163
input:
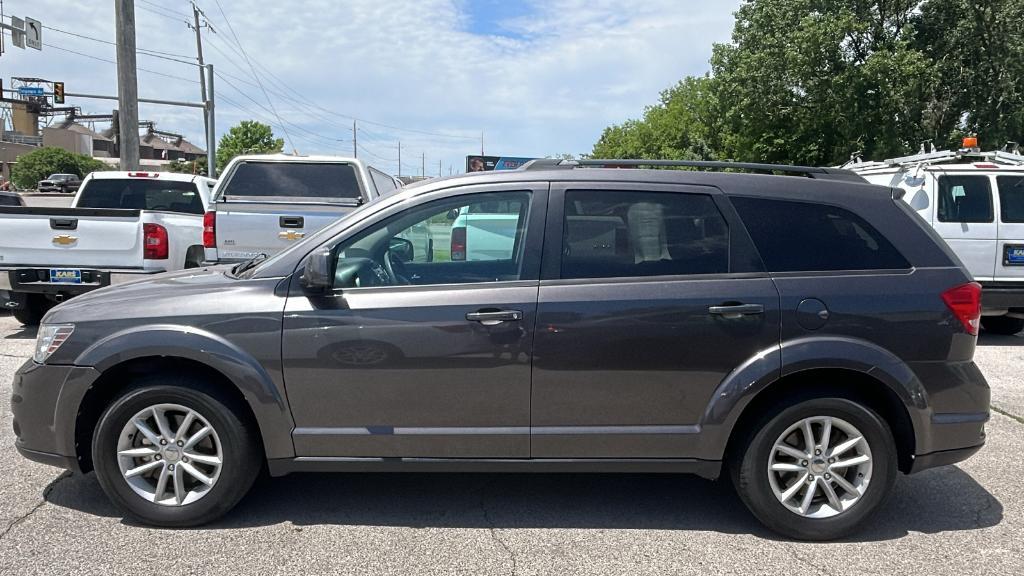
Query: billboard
column 488, row 163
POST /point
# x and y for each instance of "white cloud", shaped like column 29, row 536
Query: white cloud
column 549, row 83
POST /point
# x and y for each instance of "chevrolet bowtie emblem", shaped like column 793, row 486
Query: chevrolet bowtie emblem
column 64, row 239
column 290, row 235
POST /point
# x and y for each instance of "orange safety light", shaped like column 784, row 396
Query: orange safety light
column 971, row 142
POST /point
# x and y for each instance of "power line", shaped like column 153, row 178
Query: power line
column 163, row 10
column 249, row 62
column 109, row 61
column 144, row 51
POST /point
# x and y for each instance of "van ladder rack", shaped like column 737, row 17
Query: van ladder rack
column 809, row 171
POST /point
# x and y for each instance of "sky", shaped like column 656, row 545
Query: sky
column 535, row 78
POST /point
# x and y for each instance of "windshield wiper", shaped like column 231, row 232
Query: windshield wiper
column 238, row 269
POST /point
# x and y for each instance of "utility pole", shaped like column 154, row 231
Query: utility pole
column 440, row 169
column 423, row 165
column 399, row 158
column 202, row 65
column 211, row 129
column 355, row 140
column 127, row 84
column 481, row 142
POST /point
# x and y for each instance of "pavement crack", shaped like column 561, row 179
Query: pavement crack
column 34, row 509
column 1010, row 415
column 493, row 530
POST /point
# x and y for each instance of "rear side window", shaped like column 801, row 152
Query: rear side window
column 382, row 181
column 294, row 180
column 6, row 200
column 1011, row 198
column 611, row 234
column 965, row 199
column 141, row 194
column 805, row 237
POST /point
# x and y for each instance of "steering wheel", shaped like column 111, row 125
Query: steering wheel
column 395, row 269
column 361, row 272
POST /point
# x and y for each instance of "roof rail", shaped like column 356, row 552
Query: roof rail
column 808, row 171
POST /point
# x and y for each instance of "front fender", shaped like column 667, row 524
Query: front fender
column 265, row 396
column 756, row 375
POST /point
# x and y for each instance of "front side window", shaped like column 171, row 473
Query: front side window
column 807, row 237
column 1011, row 198
column 965, row 199
column 608, row 234
column 442, row 242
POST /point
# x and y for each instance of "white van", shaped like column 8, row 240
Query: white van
column 975, row 201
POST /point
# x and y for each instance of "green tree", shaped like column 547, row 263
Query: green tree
column 38, row 164
column 190, row 167
column 978, row 50
column 248, row 137
column 811, row 81
column 682, row 126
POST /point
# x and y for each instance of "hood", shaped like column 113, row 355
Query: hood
column 192, row 291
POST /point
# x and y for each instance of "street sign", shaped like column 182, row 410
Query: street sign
column 33, row 33
column 30, row 90
column 18, row 32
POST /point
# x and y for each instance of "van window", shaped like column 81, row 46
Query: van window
column 1011, row 198
column 294, row 180
column 805, row 237
column 965, row 199
column 382, row 181
column 141, row 194
column 611, row 234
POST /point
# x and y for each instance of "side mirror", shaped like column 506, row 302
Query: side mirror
column 453, row 214
column 316, row 274
column 401, row 249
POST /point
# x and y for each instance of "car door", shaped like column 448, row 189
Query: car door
column 650, row 296
column 436, row 366
column 964, row 217
column 1009, row 257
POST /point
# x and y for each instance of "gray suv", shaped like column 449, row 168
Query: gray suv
column 805, row 334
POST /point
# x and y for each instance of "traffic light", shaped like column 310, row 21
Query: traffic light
column 58, row 92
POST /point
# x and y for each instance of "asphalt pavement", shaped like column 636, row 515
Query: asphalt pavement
column 957, row 520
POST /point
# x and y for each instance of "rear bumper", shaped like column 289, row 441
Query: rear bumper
column 37, row 280
column 1001, row 296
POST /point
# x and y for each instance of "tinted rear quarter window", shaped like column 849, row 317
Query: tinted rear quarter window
column 628, row 234
column 294, row 180
column 965, row 199
column 1011, row 198
column 141, row 194
column 806, row 237
column 9, row 200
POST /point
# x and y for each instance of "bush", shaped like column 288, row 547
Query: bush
column 37, row 165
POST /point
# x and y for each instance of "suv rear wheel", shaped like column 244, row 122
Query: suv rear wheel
column 1002, row 325
column 818, row 469
column 174, row 453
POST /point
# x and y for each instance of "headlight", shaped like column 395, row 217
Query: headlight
column 50, row 338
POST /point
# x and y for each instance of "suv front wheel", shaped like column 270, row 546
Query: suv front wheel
column 174, row 452
column 818, row 469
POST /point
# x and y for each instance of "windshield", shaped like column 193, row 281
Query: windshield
column 294, row 180
column 60, row 177
column 141, row 194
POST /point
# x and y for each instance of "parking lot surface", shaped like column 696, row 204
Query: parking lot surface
column 966, row 519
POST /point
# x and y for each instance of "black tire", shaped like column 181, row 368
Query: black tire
column 1003, row 325
column 32, row 312
column 242, row 458
column 749, row 469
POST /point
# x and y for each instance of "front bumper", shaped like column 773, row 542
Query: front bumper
column 45, row 403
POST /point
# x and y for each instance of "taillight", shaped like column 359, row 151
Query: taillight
column 965, row 303
column 154, row 242
column 459, row 243
column 210, row 230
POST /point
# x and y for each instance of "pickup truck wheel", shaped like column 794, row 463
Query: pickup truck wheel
column 1002, row 325
column 31, row 313
column 173, row 452
column 818, row 469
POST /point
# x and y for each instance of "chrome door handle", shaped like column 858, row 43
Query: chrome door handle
column 733, row 311
column 494, row 317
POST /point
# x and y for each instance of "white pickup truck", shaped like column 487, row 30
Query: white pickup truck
column 122, row 226
column 265, row 203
